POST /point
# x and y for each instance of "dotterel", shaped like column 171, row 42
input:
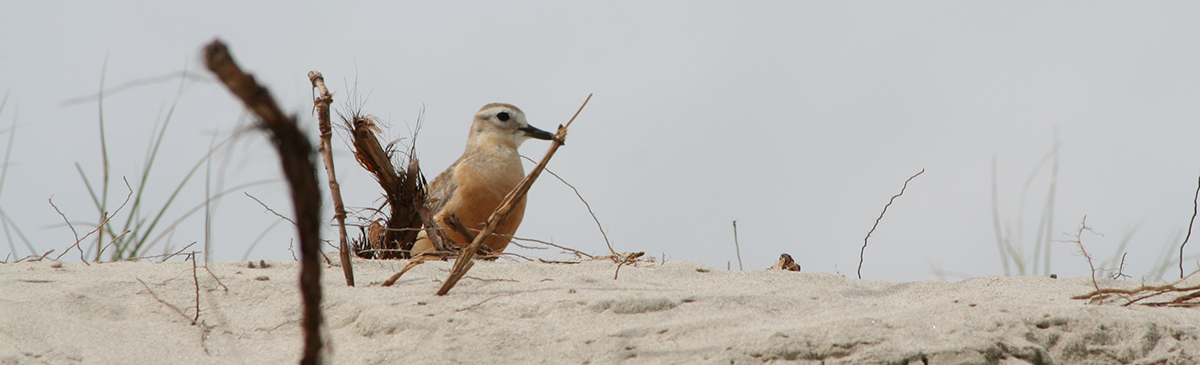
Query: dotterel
column 477, row 183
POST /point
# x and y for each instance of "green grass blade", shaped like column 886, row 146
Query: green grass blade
column 140, row 242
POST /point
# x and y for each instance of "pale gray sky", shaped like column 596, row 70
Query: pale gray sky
column 798, row 120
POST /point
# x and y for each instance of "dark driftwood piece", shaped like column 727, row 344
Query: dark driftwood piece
column 296, row 156
column 405, row 192
column 321, row 104
column 464, row 258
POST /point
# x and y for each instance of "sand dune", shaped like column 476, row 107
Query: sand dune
column 519, row 313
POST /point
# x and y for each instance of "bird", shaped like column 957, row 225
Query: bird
column 475, row 185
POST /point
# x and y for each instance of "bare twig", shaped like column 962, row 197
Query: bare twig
column 177, row 253
column 1079, row 243
column 510, row 255
column 736, row 246
column 264, row 205
column 1148, row 291
column 585, row 204
column 169, row 305
column 411, row 264
column 464, row 260
column 568, row 249
column 296, row 158
column 321, row 104
column 113, row 241
column 214, row 276
column 99, row 227
column 1189, row 231
column 863, row 251
column 1120, row 269
column 630, row 258
column 165, row 257
column 196, row 281
column 73, row 231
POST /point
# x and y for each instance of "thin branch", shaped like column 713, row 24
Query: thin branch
column 196, row 281
column 1147, row 291
column 164, row 256
column 214, row 276
column 585, row 204
column 73, row 231
column 1079, row 243
column 269, row 209
column 736, row 246
column 1189, row 231
column 574, row 251
column 169, row 305
column 630, row 258
column 99, row 227
column 1120, row 269
column 112, row 242
column 863, row 251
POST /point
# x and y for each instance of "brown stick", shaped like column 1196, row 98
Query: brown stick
column 464, row 259
column 196, row 282
column 321, row 103
column 296, row 158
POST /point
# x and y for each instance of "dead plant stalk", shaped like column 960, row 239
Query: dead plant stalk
column 321, row 104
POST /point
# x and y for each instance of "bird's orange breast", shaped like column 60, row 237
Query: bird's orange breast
column 479, row 192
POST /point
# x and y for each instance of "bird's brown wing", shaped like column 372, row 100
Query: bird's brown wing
column 441, row 190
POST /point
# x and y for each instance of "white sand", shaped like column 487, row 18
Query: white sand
column 517, row 313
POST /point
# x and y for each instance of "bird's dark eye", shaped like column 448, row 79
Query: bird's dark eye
column 503, row 116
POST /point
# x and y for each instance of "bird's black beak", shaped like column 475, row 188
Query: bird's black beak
column 536, row 133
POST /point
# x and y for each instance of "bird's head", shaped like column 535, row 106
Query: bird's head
column 505, row 122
